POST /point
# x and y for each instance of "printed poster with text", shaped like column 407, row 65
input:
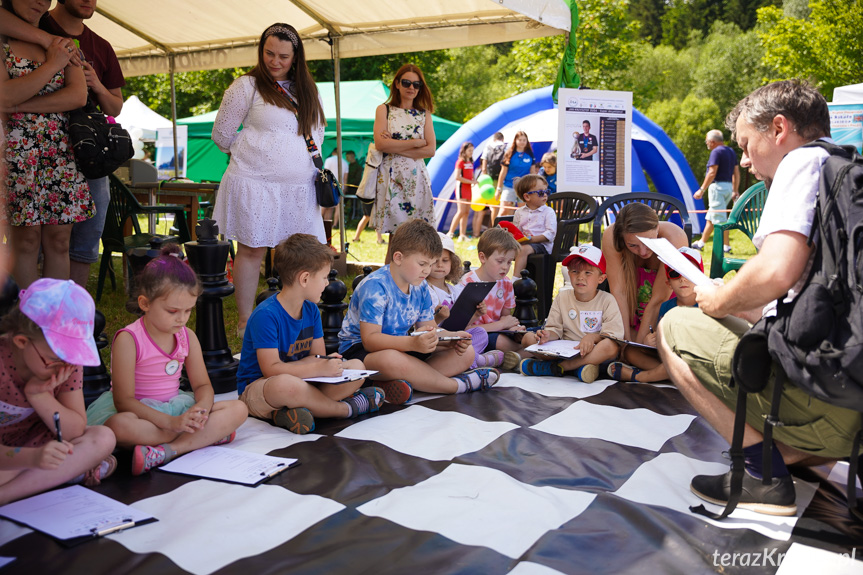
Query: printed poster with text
column 594, row 142
column 846, row 124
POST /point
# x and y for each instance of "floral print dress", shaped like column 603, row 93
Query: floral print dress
column 404, row 188
column 43, row 183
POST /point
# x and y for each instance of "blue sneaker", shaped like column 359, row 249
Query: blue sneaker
column 537, row 367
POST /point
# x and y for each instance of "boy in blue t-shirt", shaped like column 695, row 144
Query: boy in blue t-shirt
column 548, row 170
column 284, row 343
column 646, row 367
column 394, row 302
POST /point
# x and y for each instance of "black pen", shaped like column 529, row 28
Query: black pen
column 57, row 426
column 327, row 357
column 650, row 327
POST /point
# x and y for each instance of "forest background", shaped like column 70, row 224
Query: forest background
column 687, row 62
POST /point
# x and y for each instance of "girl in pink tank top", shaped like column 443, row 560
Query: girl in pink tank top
column 146, row 408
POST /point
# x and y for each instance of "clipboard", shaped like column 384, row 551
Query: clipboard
column 229, row 465
column 74, row 515
column 465, row 306
column 644, row 346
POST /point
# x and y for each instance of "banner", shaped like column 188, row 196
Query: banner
column 165, row 151
column 846, row 124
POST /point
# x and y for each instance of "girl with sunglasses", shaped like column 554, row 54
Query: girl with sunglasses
column 534, row 219
column 405, row 134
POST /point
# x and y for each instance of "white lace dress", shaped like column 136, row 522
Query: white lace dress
column 267, row 192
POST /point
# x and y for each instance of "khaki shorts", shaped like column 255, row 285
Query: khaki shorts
column 707, row 345
column 253, row 397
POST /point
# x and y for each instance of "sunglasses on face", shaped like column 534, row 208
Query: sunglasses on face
column 537, row 192
column 407, row 84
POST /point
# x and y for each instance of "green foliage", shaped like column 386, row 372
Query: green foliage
column 467, row 81
column 826, row 48
column 658, row 73
column 686, row 122
column 197, row 92
column 649, row 14
column 605, row 41
column 535, row 62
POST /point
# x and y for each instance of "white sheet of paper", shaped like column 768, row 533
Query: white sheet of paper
column 347, row 375
column 260, row 436
column 71, row 512
column 669, row 255
column 559, row 348
column 554, row 386
column 239, row 522
column 228, row 464
column 4, row 561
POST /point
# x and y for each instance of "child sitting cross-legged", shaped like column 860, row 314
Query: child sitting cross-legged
column 496, row 250
column 646, row 367
column 46, row 339
column 581, row 315
column 284, row 343
column 393, row 302
column 145, row 407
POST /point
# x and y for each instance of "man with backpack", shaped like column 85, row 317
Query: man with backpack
column 772, row 125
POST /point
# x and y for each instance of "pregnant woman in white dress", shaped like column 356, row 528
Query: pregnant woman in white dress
column 267, row 192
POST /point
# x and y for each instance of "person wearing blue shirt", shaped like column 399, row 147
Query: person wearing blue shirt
column 393, row 303
column 517, row 162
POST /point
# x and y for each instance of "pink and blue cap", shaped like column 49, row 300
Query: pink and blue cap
column 64, row 311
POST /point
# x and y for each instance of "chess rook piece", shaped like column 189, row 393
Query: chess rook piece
column 272, row 289
column 333, row 308
column 97, row 380
column 525, row 300
column 366, row 271
column 208, row 257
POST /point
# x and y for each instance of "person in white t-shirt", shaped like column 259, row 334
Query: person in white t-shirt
column 697, row 344
column 332, row 164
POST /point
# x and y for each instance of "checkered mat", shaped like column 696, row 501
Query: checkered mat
column 536, row 476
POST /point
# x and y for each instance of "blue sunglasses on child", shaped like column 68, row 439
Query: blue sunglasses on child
column 537, row 192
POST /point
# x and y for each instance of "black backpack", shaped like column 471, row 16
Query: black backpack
column 816, row 340
column 494, row 159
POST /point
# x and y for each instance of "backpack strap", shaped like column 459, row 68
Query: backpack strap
column 737, row 464
column 770, row 422
column 310, row 143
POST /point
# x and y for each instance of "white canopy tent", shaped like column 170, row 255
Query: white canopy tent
column 136, row 114
column 852, row 94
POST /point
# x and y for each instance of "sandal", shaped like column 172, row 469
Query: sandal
column 615, row 371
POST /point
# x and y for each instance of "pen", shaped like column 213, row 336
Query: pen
column 125, row 525
column 650, row 327
column 57, row 426
column 327, row 357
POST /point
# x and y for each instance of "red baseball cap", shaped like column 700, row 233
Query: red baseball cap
column 591, row 254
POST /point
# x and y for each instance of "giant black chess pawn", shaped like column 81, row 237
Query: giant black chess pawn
column 366, row 271
column 97, row 380
column 333, row 308
column 525, row 300
column 272, row 289
column 140, row 257
column 208, row 257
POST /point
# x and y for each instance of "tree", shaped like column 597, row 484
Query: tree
column 469, row 81
column 827, row 48
column 196, row 92
column 649, row 14
column 658, row 73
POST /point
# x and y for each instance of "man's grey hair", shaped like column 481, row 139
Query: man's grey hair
column 716, row 136
column 797, row 100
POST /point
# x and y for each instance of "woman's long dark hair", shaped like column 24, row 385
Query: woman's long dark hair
column 311, row 113
column 508, row 155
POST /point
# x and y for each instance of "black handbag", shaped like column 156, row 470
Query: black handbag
column 327, row 189
column 100, row 146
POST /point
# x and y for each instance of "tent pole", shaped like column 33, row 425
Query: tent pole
column 339, row 176
column 174, row 115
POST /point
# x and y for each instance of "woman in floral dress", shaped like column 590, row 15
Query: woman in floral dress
column 405, row 134
column 45, row 191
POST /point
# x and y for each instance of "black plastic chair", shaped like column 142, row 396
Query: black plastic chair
column 573, row 209
column 666, row 207
column 123, row 206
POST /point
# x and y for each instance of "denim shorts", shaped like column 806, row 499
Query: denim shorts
column 84, row 243
column 718, row 196
column 508, row 195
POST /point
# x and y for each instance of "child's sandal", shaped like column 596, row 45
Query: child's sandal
column 615, row 371
column 102, row 471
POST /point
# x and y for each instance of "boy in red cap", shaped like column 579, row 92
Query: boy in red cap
column 580, row 315
column 647, row 368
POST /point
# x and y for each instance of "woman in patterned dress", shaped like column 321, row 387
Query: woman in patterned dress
column 405, row 134
column 46, row 193
column 268, row 192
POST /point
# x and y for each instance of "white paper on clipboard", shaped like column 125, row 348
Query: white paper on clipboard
column 669, row 255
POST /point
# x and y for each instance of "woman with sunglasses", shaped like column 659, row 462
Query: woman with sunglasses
column 632, row 267
column 268, row 190
column 405, row 134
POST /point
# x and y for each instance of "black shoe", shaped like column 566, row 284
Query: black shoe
column 778, row 498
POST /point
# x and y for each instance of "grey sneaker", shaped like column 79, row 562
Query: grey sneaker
column 777, row 498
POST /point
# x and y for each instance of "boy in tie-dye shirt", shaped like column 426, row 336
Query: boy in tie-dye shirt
column 394, row 302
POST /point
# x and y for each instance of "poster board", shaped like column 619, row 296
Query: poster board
column 165, row 151
column 846, row 124
column 594, row 143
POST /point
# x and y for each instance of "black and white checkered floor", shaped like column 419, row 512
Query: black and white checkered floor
column 537, row 476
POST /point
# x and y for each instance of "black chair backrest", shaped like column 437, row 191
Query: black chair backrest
column 573, row 209
column 667, row 208
column 121, row 206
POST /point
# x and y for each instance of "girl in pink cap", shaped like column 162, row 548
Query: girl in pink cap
column 44, row 438
column 146, row 408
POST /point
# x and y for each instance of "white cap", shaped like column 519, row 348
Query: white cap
column 447, row 242
column 589, row 253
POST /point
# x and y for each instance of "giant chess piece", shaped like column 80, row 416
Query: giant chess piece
column 208, row 257
column 272, row 289
column 366, row 271
column 97, row 380
column 525, row 300
column 333, row 308
column 140, row 257
column 8, row 295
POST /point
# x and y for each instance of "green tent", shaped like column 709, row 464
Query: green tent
column 359, row 101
